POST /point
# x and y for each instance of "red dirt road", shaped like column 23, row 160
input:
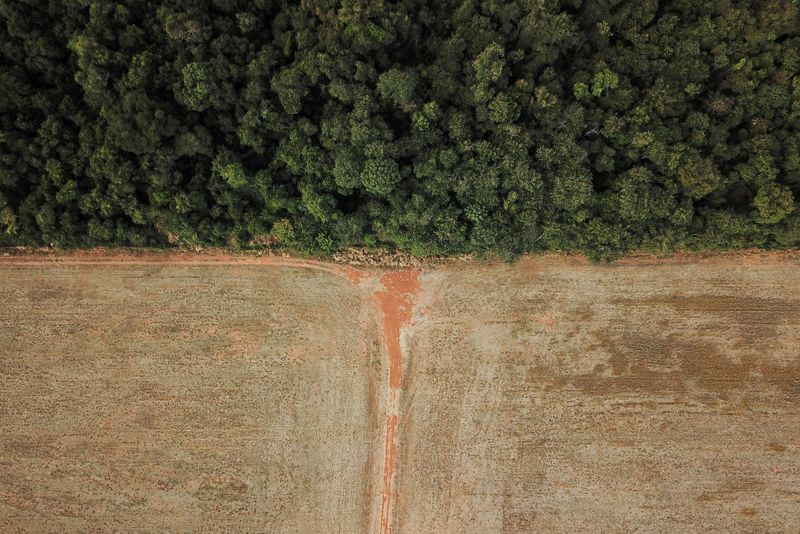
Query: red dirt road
column 396, row 302
column 389, row 473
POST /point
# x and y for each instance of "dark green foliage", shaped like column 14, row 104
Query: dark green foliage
column 487, row 126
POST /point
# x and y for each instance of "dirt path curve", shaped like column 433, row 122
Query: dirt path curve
column 101, row 257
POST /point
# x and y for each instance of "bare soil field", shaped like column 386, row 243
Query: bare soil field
column 558, row 396
column 169, row 397
column 181, row 392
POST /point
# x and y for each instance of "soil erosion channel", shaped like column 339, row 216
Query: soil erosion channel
column 396, row 306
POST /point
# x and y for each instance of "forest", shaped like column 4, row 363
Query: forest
column 493, row 127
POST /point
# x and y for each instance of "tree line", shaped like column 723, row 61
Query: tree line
column 487, row 126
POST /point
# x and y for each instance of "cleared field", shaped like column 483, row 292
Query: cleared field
column 185, row 398
column 280, row 395
column 556, row 396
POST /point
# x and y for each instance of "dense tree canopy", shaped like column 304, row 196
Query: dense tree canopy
column 488, row 126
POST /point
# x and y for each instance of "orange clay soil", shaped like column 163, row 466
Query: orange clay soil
column 396, row 301
column 389, row 470
column 396, row 305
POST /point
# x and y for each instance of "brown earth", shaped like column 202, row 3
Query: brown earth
column 649, row 396
column 168, row 397
column 207, row 392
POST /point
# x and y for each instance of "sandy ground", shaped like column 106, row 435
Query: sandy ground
column 183, row 392
column 558, row 396
column 166, row 397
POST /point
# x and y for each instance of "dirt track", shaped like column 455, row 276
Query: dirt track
column 217, row 392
